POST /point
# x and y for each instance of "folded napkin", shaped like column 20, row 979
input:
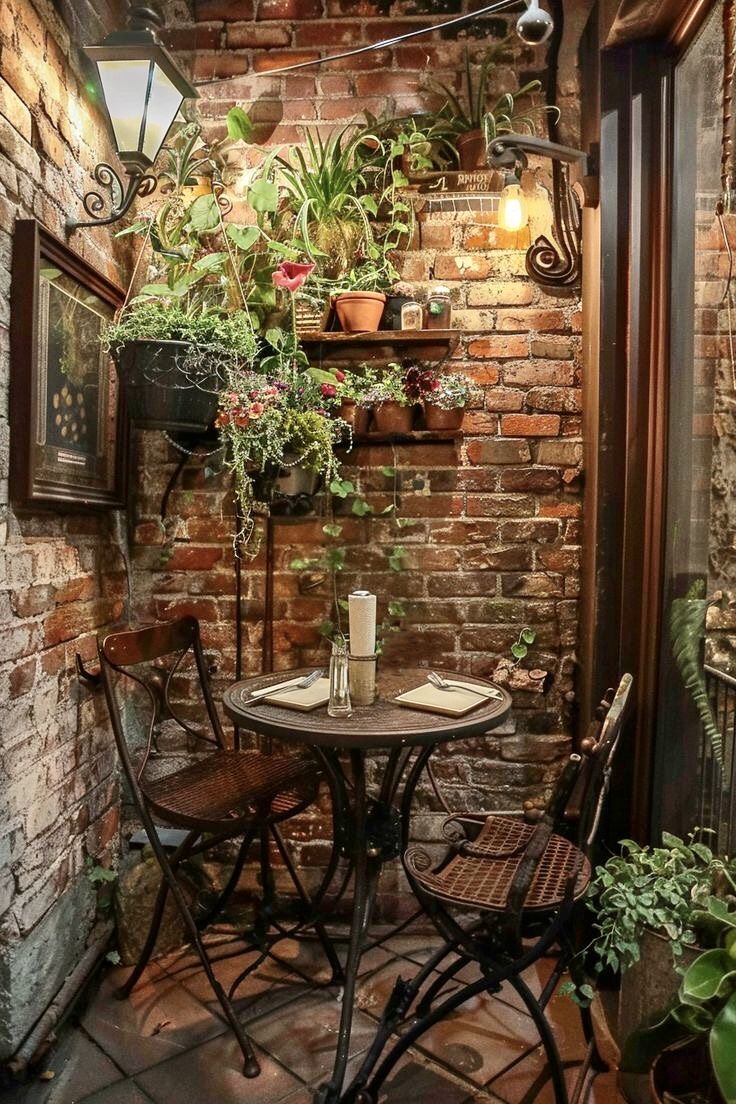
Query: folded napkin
column 451, row 703
column 303, row 700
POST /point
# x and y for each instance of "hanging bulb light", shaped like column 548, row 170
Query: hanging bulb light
column 512, row 212
column 535, row 25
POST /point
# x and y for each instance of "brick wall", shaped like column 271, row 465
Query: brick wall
column 495, row 539
column 61, row 575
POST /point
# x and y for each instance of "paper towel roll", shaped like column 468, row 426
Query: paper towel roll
column 362, row 620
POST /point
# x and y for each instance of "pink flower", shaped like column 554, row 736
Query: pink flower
column 340, row 377
column 256, row 409
column 290, row 275
column 328, row 390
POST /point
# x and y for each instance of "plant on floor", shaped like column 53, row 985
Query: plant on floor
column 705, row 1006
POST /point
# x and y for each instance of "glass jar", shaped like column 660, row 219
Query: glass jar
column 339, row 704
column 411, row 315
column 439, row 308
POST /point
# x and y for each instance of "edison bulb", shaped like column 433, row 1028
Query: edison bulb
column 512, row 212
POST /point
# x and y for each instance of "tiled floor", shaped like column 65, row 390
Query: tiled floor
column 168, row 1044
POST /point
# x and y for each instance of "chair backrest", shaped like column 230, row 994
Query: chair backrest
column 577, row 802
column 151, row 656
column 598, row 750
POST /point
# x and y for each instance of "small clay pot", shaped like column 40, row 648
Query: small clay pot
column 470, row 150
column 356, row 416
column 437, row 418
column 392, row 417
column 360, row 311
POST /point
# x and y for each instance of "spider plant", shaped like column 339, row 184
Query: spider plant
column 328, row 187
column 473, row 113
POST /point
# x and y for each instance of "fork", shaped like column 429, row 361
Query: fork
column 302, row 684
column 442, row 684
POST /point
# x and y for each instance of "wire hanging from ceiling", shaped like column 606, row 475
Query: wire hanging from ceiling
column 456, row 21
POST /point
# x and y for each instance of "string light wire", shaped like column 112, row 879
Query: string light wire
column 456, row 21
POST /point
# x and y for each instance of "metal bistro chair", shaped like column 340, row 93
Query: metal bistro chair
column 520, row 881
column 217, row 797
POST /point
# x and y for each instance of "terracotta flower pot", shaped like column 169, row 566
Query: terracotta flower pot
column 471, row 149
column 437, row 418
column 360, row 311
column 356, row 416
column 392, row 417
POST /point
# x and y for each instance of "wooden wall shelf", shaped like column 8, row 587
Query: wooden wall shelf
column 381, row 345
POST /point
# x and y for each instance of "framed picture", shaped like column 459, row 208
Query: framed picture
column 67, row 439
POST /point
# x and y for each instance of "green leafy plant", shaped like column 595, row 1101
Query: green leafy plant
column 687, row 630
column 390, row 387
column 665, row 889
column 355, row 386
column 526, row 637
column 705, row 1006
column 447, row 390
column 470, row 110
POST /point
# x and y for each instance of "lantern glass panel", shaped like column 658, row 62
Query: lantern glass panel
column 163, row 103
column 125, row 85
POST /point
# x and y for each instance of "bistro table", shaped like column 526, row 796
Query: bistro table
column 370, row 830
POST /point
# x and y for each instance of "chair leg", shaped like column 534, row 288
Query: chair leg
column 251, row 1067
column 157, row 915
column 439, row 983
column 319, row 928
column 542, row 1025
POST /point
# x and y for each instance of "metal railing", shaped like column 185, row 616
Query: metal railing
column 717, row 778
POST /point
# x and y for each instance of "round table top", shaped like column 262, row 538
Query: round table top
column 381, row 725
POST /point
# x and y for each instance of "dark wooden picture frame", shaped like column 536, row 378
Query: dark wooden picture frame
column 67, row 428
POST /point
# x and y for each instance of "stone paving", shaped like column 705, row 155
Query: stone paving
column 168, row 1044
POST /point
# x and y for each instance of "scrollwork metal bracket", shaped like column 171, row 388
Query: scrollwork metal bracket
column 555, row 261
column 119, row 198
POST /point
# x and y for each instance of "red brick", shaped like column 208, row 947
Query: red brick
column 289, row 9
column 243, row 36
column 524, row 321
column 530, row 425
column 224, row 9
column 202, row 36
column 213, row 65
column 513, row 347
column 187, row 557
column 470, row 267
column 263, row 63
column 327, row 33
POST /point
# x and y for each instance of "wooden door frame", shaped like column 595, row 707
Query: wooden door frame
column 626, row 393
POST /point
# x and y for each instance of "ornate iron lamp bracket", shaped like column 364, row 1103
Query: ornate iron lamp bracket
column 119, row 199
column 556, row 262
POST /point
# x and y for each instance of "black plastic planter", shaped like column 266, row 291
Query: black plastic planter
column 161, row 393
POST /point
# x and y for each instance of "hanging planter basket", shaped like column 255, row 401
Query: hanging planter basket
column 288, row 490
column 162, row 391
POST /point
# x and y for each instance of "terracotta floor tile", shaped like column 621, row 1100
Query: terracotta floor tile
column 123, row 1092
column 212, row 1074
column 80, row 1068
column 528, row 1081
column 303, row 1034
column 158, row 1020
column 479, row 1040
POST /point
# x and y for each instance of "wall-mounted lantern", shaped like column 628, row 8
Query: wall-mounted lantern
column 554, row 263
column 142, row 90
